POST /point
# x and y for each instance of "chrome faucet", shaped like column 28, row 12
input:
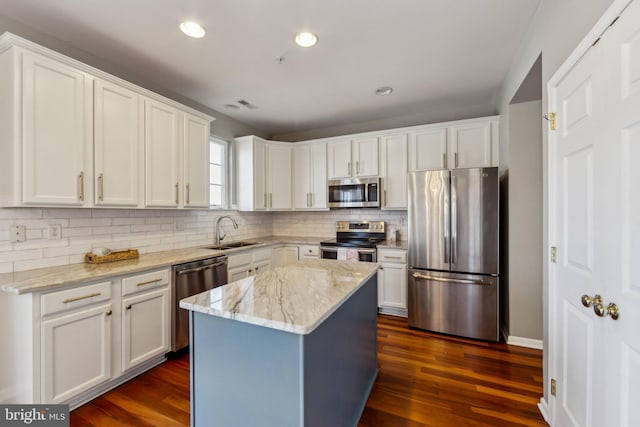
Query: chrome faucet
column 217, row 237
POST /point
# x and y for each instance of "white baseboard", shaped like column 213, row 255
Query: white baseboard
column 525, row 342
column 543, row 407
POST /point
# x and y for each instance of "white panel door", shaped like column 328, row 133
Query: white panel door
column 196, row 161
column 161, row 155
column 365, row 156
column 302, row 177
column 145, row 327
column 53, row 108
column 393, row 155
column 595, row 222
column 428, row 149
column 318, row 190
column 76, row 353
column 392, row 290
column 117, row 144
column 260, row 197
column 470, row 146
column 339, row 159
column 279, row 176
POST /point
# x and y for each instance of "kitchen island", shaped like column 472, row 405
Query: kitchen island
column 294, row 346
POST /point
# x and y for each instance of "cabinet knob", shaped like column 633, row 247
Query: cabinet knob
column 129, row 307
column 109, row 313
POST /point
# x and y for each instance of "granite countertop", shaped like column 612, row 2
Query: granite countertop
column 398, row 244
column 49, row 278
column 296, row 298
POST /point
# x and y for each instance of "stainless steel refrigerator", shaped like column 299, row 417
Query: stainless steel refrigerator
column 453, row 252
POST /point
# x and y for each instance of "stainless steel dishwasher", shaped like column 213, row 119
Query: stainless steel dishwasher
column 189, row 279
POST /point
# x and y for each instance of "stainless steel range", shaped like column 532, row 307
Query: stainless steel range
column 355, row 240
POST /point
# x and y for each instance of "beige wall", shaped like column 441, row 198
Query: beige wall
column 524, row 228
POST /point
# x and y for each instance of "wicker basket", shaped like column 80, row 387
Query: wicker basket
column 113, row 256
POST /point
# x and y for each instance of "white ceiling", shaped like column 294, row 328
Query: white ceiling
column 442, row 53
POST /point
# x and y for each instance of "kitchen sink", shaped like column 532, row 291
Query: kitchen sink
column 231, row 245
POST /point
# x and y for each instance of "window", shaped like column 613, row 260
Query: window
column 218, row 172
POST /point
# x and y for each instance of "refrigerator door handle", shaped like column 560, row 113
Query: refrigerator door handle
column 445, row 221
column 454, row 222
column 443, row 279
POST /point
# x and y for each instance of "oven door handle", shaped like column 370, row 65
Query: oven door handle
column 366, row 251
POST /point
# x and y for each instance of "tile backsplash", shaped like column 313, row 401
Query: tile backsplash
column 154, row 230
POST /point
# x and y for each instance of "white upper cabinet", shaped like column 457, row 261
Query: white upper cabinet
column 462, row 144
column 279, row 169
column 196, row 161
column 310, row 176
column 161, row 155
column 428, row 149
column 471, row 145
column 393, row 156
column 117, row 145
column 53, row 138
column 353, row 158
column 74, row 136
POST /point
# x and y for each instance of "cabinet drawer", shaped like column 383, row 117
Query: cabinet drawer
column 240, row 260
column 81, row 296
column 142, row 282
column 390, row 255
column 262, row 255
column 309, row 251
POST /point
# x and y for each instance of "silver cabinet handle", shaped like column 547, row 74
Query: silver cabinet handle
column 349, row 168
column 308, row 198
column 392, row 257
column 357, row 168
column 271, row 200
column 455, row 159
column 68, row 300
column 443, row 279
column 187, row 195
column 177, row 193
column 199, row 269
column 444, row 160
column 148, row 282
column 81, row 186
column 101, row 187
column 265, row 200
column 311, row 200
column 385, row 198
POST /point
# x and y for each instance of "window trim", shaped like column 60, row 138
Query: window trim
column 226, row 172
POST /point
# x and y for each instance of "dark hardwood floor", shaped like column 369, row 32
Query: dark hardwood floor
column 424, row 380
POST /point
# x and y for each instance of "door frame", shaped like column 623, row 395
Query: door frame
column 547, row 407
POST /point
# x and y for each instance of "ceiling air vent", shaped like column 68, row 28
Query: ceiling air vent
column 247, row 104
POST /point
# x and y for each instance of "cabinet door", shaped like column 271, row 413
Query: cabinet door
column 145, row 327
column 318, row 188
column 76, row 353
column 161, row 155
column 393, row 154
column 365, row 156
column 279, row 176
column 393, row 287
column 53, row 111
column 261, row 266
column 428, row 149
column 470, row 145
column 290, row 255
column 259, row 175
column 301, row 177
column 117, row 144
column 339, row 159
column 196, row 161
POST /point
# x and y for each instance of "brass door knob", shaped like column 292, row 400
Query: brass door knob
column 613, row 311
column 599, row 309
column 588, row 301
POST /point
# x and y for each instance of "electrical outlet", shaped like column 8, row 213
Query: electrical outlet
column 55, row 232
column 18, row 233
column 180, row 226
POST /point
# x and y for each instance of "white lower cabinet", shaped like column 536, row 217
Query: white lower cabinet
column 248, row 263
column 76, row 352
column 76, row 343
column 392, row 282
column 308, row 252
column 145, row 317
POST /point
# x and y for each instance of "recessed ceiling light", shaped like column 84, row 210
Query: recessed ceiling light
column 384, row 90
column 192, row 29
column 306, row 39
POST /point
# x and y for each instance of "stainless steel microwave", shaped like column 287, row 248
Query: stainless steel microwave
column 354, row 193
